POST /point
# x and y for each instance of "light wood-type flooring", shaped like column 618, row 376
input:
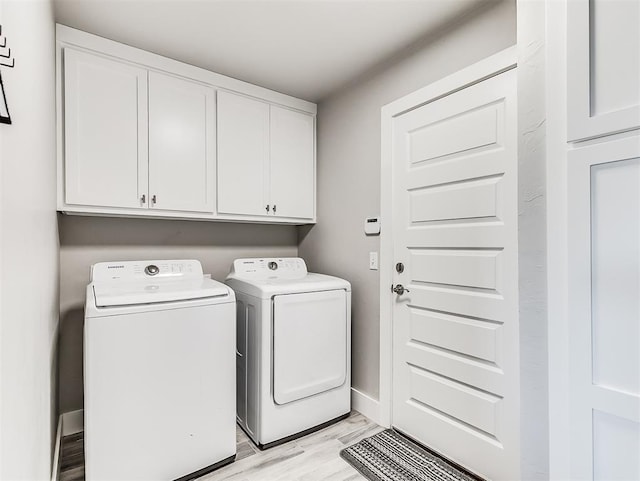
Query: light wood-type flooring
column 315, row 457
column 72, row 457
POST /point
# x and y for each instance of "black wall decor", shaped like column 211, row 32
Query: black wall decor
column 5, row 61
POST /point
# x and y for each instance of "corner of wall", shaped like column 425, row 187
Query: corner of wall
column 532, row 251
column 29, row 277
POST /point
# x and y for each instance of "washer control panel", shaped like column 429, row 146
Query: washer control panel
column 127, row 271
column 269, row 268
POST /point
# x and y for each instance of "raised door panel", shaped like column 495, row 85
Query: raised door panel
column 603, row 75
column 243, row 154
column 292, row 192
column 181, row 144
column 105, row 131
column 604, row 313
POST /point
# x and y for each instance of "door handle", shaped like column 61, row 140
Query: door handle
column 399, row 289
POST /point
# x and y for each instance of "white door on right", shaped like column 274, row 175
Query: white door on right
column 604, row 310
column 455, row 332
column 603, row 67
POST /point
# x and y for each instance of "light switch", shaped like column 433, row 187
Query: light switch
column 373, row 261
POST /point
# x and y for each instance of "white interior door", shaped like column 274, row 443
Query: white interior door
column 603, row 71
column 292, row 175
column 455, row 332
column 105, row 131
column 181, row 144
column 604, row 308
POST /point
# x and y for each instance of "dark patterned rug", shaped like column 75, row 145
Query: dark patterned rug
column 389, row 456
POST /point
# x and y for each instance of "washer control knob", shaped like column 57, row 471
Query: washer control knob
column 151, row 270
column 273, row 265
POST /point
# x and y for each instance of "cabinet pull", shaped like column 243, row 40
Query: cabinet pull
column 153, row 199
column 267, row 208
column 143, row 199
column 274, row 208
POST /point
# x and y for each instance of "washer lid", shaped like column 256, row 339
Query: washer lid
column 152, row 292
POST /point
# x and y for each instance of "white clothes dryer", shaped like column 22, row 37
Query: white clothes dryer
column 293, row 348
column 159, row 374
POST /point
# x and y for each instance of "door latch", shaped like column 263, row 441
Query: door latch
column 399, row 289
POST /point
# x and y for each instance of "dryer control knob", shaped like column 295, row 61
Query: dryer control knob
column 151, row 270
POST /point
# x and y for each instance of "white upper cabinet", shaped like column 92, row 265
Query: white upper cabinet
column 292, row 161
column 243, row 154
column 105, row 131
column 181, row 144
column 603, row 76
column 144, row 135
column 266, row 159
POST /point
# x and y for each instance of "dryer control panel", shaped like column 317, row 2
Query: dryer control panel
column 269, row 268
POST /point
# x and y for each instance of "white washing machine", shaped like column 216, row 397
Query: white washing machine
column 159, row 372
column 293, row 348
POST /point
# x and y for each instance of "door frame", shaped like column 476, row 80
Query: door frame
column 484, row 69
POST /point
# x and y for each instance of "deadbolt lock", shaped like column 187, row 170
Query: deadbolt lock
column 399, row 267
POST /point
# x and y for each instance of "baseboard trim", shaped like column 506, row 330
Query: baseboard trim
column 72, row 422
column 55, row 466
column 365, row 405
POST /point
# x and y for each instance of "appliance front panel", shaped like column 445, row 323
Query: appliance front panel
column 167, row 378
column 309, row 344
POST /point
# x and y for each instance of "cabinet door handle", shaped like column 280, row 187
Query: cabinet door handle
column 153, row 199
column 267, row 208
column 143, row 199
column 274, row 208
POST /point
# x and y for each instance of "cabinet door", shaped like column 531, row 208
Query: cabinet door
column 603, row 73
column 243, row 154
column 181, row 144
column 292, row 190
column 105, row 131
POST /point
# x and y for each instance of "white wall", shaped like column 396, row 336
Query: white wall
column 28, row 245
column 557, row 243
column 532, row 230
column 87, row 240
column 349, row 163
